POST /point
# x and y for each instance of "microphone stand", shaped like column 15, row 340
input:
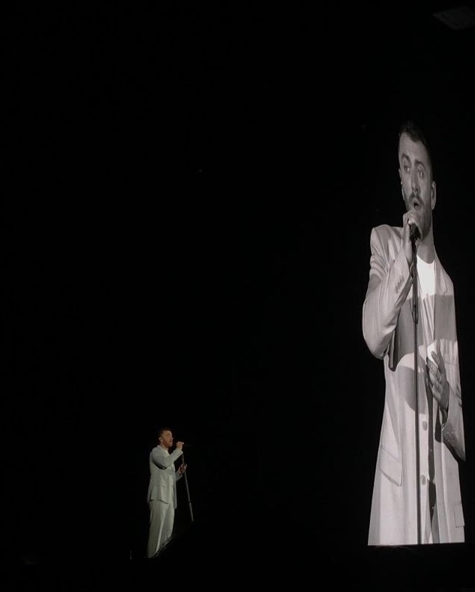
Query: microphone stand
column 415, row 318
column 188, row 491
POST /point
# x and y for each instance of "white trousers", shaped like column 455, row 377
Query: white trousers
column 162, row 516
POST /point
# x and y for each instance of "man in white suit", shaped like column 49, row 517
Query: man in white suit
column 416, row 494
column 162, row 496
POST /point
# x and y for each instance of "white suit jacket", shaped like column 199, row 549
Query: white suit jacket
column 163, row 475
column 388, row 330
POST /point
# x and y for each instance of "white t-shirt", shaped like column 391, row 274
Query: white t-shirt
column 426, row 274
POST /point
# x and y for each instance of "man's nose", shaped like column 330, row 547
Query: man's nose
column 415, row 183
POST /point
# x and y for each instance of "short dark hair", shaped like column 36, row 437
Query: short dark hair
column 161, row 430
column 411, row 129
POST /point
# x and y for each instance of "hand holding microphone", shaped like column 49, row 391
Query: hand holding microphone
column 411, row 232
column 182, row 467
column 414, row 232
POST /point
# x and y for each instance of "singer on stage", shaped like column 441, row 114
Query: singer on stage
column 416, row 492
column 162, row 496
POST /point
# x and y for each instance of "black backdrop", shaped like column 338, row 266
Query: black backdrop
column 185, row 235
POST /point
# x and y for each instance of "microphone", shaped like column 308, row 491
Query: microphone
column 414, row 232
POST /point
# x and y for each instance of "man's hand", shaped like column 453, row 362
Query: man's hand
column 436, row 381
column 182, row 468
column 179, row 445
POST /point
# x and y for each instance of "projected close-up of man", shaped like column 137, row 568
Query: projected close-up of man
column 416, row 495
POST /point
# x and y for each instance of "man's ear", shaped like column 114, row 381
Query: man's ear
column 433, row 194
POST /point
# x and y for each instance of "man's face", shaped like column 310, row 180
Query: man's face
column 418, row 189
column 166, row 439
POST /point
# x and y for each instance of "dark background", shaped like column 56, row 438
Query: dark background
column 185, row 241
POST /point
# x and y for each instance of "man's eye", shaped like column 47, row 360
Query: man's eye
column 420, row 172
